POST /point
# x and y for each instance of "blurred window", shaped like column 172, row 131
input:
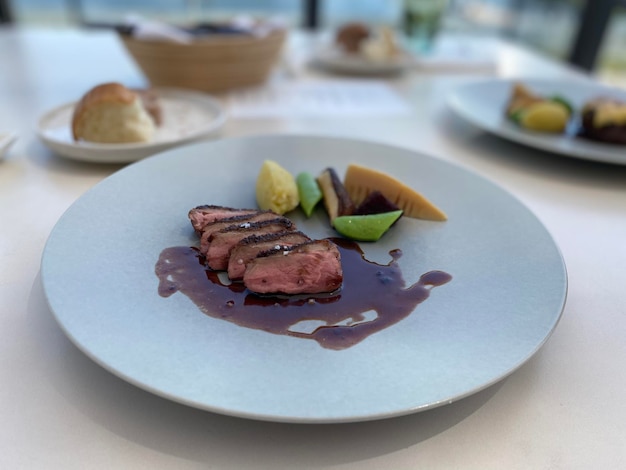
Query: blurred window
column 550, row 26
column 64, row 12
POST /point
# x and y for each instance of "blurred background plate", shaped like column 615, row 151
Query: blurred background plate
column 187, row 116
column 334, row 60
column 483, row 104
column 7, row 139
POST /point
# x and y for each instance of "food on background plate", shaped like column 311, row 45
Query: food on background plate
column 375, row 44
column 276, row 188
column 350, row 36
column 111, row 113
column 604, row 120
column 380, row 46
column 538, row 113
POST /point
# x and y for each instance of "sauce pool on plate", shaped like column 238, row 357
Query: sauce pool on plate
column 340, row 316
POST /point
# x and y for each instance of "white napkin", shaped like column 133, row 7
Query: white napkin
column 450, row 53
column 156, row 30
column 332, row 98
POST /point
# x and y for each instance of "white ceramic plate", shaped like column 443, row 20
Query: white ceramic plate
column 335, row 60
column 187, row 116
column 483, row 103
column 7, row 139
column 506, row 296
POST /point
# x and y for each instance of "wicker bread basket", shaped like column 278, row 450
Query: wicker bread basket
column 215, row 63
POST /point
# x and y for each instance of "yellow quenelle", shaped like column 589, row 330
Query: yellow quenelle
column 545, row 116
column 276, row 188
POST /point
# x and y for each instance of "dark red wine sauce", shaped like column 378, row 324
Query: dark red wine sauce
column 366, row 286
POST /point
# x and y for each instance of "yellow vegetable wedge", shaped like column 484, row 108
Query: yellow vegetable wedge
column 546, row 116
column 360, row 181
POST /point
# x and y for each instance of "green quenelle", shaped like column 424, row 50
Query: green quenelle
column 309, row 192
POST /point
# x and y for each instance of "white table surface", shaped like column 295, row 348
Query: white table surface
column 564, row 409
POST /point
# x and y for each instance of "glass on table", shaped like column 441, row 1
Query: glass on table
column 421, row 21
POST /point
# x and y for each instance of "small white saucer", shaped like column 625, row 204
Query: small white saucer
column 334, row 60
column 187, row 116
column 7, row 139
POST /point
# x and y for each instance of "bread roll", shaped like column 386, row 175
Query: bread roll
column 111, row 113
column 351, row 35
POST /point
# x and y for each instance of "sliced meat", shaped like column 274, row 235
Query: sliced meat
column 249, row 247
column 310, row 268
column 202, row 215
column 609, row 132
column 228, row 222
column 221, row 242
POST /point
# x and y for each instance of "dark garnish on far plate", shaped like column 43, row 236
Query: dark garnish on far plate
column 609, row 131
column 196, row 30
column 563, row 101
column 206, row 29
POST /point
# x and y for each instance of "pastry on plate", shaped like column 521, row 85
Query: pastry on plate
column 111, row 113
column 380, row 46
column 375, row 44
column 604, row 120
column 538, row 113
column 350, row 36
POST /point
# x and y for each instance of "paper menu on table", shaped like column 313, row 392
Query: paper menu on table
column 342, row 98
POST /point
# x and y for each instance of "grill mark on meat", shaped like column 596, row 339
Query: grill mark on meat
column 201, row 216
column 309, row 268
column 248, row 248
column 229, row 222
column 222, row 241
